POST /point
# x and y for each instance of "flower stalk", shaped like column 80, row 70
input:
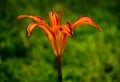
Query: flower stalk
column 59, row 66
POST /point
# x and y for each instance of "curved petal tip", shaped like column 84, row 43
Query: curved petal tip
column 31, row 26
column 20, row 17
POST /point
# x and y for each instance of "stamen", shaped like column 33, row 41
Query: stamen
column 60, row 13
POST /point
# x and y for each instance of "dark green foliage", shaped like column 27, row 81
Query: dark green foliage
column 90, row 56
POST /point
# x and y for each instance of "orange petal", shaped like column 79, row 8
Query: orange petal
column 67, row 29
column 41, row 23
column 53, row 19
column 44, row 27
column 36, row 18
column 31, row 26
column 85, row 20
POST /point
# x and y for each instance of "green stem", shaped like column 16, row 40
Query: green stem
column 59, row 68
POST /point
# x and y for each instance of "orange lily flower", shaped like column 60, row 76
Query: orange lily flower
column 57, row 33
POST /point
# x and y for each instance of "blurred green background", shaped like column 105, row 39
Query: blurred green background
column 89, row 56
